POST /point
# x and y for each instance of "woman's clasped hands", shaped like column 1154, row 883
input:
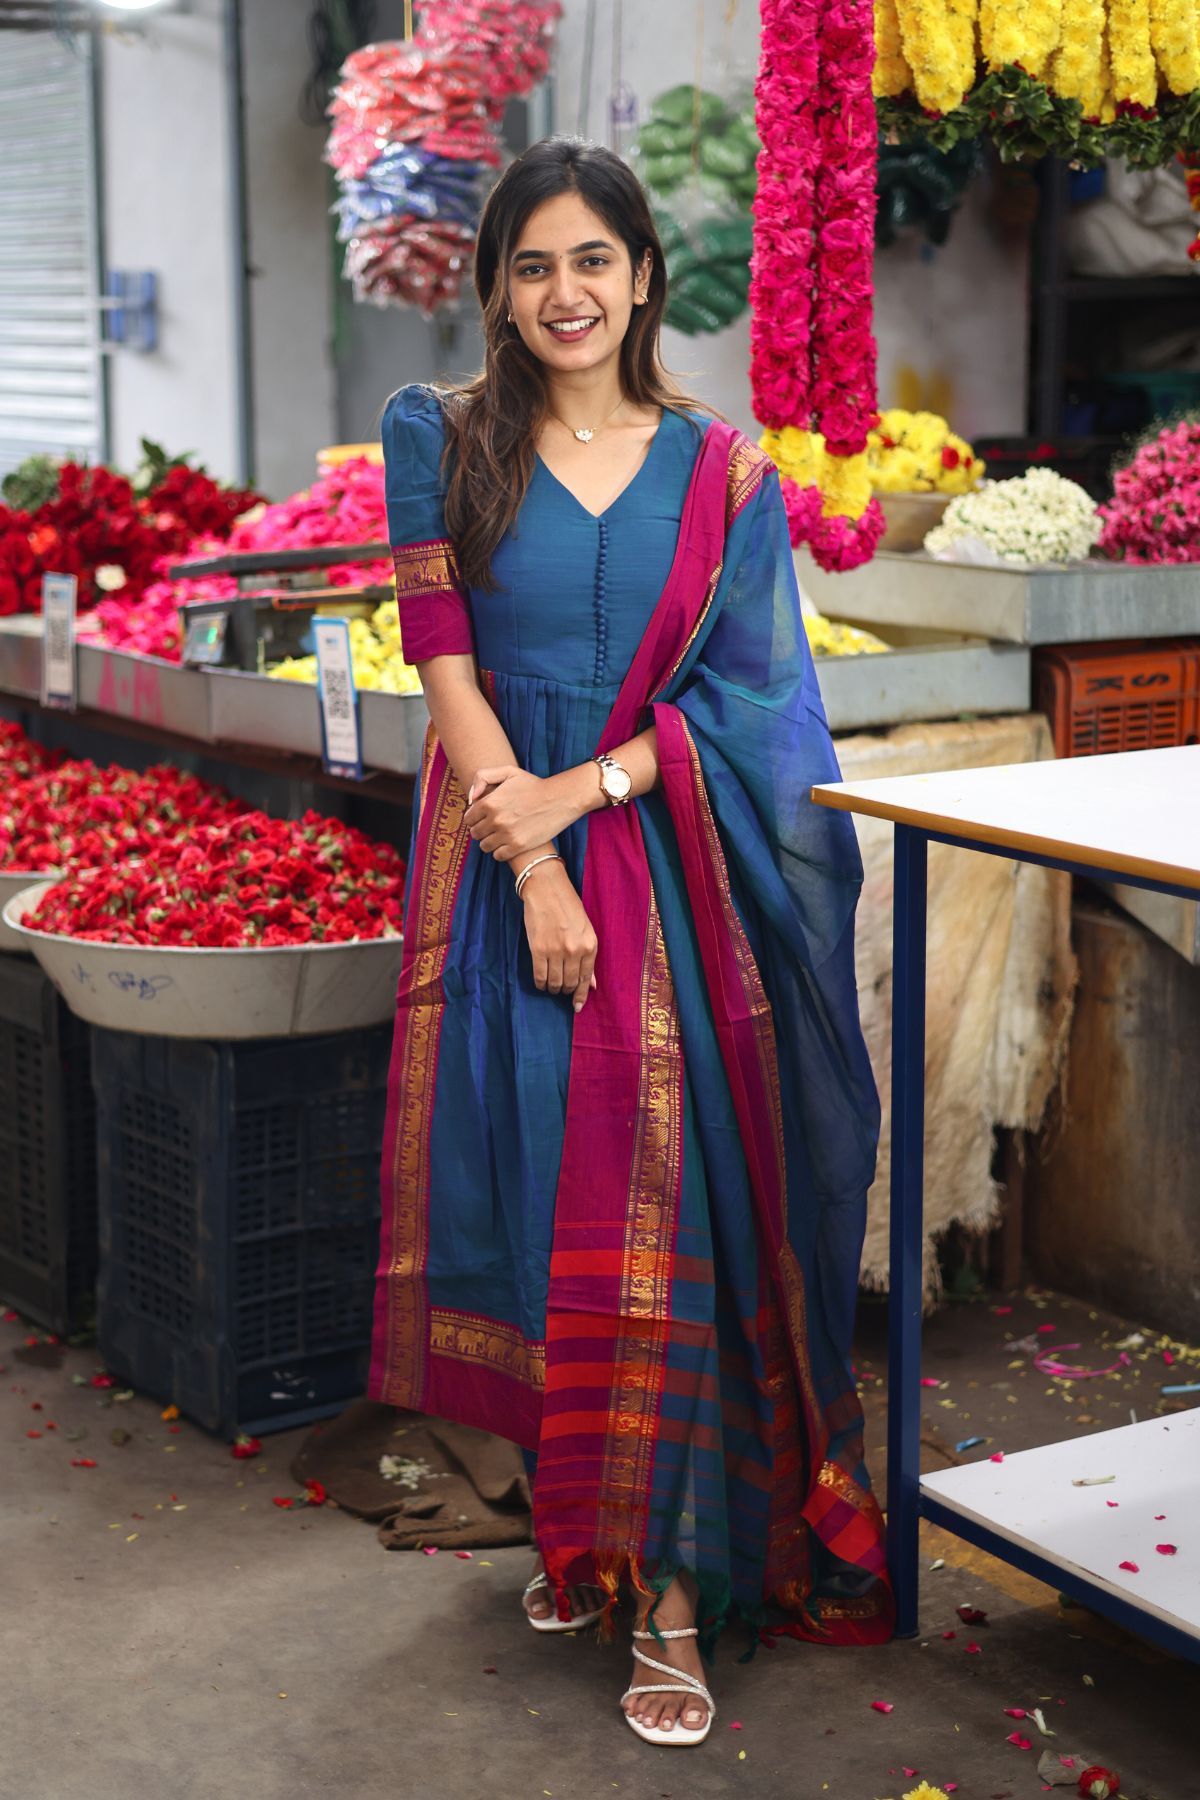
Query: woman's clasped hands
column 516, row 812
column 510, row 814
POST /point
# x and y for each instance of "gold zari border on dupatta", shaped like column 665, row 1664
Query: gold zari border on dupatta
column 477, row 1340
column 639, row 1351
column 747, row 466
column 426, row 569
column 422, row 999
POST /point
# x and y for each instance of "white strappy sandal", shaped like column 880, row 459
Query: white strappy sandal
column 682, row 1683
column 554, row 1623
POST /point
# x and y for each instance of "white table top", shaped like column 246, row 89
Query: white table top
column 1029, row 1498
column 1137, row 813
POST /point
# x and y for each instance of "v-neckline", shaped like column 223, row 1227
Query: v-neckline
column 617, row 498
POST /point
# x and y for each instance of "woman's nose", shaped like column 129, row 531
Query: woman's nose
column 564, row 286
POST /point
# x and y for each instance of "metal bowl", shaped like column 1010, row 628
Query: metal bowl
column 294, row 990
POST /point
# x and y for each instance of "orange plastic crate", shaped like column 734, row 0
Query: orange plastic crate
column 1142, row 695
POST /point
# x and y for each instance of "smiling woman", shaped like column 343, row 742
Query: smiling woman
column 631, row 1118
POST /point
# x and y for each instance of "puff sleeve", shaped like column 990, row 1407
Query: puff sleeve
column 435, row 616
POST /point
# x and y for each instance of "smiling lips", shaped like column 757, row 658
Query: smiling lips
column 571, row 328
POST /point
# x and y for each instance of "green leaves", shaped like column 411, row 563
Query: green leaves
column 1026, row 121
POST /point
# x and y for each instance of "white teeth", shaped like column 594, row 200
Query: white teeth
column 566, row 329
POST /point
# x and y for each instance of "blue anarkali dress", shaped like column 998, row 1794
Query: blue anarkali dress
column 754, row 1477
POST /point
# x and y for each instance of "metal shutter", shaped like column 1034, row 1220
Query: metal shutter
column 50, row 382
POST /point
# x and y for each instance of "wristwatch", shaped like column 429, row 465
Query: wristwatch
column 616, row 783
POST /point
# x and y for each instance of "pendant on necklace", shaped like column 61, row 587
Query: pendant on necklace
column 585, row 436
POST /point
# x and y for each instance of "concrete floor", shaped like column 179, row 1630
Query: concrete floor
column 169, row 1634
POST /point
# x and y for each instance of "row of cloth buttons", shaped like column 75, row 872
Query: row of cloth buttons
column 600, row 606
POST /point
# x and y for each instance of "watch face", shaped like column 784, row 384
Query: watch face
column 617, row 781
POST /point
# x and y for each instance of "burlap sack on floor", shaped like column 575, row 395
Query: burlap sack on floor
column 451, row 1485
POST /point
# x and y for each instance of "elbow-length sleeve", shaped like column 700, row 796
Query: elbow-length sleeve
column 435, row 615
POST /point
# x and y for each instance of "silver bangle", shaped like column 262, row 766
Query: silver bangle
column 526, row 872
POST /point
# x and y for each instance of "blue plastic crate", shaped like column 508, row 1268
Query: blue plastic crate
column 239, row 1221
column 48, row 1234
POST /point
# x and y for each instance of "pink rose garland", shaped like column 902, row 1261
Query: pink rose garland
column 812, row 348
column 781, row 269
column 844, row 387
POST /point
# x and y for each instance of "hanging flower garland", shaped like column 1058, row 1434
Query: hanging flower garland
column 812, row 349
column 1080, row 79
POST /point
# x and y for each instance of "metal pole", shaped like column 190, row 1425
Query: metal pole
column 239, row 243
column 98, row 220
column 905, row 1285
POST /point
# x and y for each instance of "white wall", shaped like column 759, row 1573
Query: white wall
column 167, row 196
column 291, row 259
column 167, row 187
column 953, row 324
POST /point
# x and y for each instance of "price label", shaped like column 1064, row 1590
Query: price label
column 58, row 641
column 204, row 640
column 341, row 739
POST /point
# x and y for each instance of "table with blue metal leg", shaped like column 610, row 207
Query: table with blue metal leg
column 1134, row 819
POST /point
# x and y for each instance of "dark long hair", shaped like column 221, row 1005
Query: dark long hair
column 492, row 422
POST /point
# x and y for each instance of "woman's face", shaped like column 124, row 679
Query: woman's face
column 571, row 286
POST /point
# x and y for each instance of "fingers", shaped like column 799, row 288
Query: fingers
column 585, row 980
column 554, row 975
column 493, row 777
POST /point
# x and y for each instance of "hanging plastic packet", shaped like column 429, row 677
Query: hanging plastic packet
column 696, row 154
column 415, row 130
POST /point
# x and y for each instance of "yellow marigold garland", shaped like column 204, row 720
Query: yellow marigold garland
column 961, row 24
column 1080, row 67
column 1175, row 40
column 988, row 13
column 1043, row 25
column 930, row 47
column 1010, row 34
column 892, row 73
column 1134, row 75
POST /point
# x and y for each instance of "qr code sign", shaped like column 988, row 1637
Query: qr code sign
column 58, row 638
column 337, row 695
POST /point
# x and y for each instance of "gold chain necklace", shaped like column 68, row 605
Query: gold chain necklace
column 585, row 433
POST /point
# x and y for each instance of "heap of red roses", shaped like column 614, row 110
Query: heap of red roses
column 20, row 756
column 243, row 883
column 57, row 814
column 96, row 522
column 165, row 858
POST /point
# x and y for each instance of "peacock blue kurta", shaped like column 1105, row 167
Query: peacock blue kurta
column 574, row 595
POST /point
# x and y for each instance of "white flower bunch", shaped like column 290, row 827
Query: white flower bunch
column 1039, row 517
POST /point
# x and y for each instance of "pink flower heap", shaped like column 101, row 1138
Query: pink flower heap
column 1154, row 515
column 812, row 348
column 344, row 507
